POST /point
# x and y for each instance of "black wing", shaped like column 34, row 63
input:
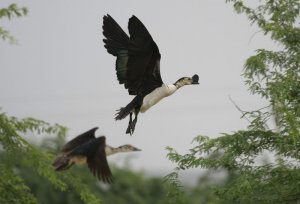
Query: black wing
column 97, row 162
column 144, row 60
column 138, row 57
column 116, row 43
column 79, row 140
column 116, row 38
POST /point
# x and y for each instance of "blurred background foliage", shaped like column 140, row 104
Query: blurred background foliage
column 273, row 130
column 129, row 186
column 28, row 177
column 246, row 175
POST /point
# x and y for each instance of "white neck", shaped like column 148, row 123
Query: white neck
column 172, row 88
column 112, row 150
column 179, row 84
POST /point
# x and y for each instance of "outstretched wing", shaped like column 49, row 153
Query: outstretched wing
column 116, row 43
column 116, row 38
column 144, row 60
column 97, row 162
column 80, row 140
column 138, row 57
column 94, row 151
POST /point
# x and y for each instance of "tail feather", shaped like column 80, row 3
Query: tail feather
column 135, row 104
column 122, row 113
column 61, row 163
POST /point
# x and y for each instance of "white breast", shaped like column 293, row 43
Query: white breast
column 78, row 159
column 156, row 95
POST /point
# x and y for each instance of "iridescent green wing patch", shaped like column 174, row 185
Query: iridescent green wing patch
column 121, row 66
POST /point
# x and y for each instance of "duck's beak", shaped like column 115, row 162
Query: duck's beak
column 195, row 79
column 136, row 149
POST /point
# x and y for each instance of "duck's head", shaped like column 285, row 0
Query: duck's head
column 187, row 81
column 128, row 148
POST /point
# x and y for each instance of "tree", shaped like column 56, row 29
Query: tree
column 275, row 76
column 17, row 153
column 26, row 172
column 129, row 187
column 11, row 11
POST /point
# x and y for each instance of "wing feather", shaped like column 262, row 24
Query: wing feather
column 116, row 38
column 97, row 162
column 79, row 140
column 138, row 57
column 144, row 59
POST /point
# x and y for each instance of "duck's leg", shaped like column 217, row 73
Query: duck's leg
column 134, row 121
column 128, row 131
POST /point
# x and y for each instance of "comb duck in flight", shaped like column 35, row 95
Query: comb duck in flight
column 86, row 148
column 138, row 67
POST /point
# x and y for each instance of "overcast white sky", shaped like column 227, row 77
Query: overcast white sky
column 61, row 73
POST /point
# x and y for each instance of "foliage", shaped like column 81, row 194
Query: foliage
column 17, row 153
column 129, row 186
column 18, row 192
column 28, row 177
column 175, row 193
column 11, row 11
column 275, row 76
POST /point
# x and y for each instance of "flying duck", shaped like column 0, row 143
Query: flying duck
column 86, row 148
column 138, row 67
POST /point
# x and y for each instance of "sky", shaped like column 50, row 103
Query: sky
column 60, row 72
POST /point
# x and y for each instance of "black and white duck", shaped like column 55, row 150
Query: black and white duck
column 138, row 67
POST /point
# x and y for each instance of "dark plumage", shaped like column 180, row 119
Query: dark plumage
column 86, row 148
column 137, row 66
